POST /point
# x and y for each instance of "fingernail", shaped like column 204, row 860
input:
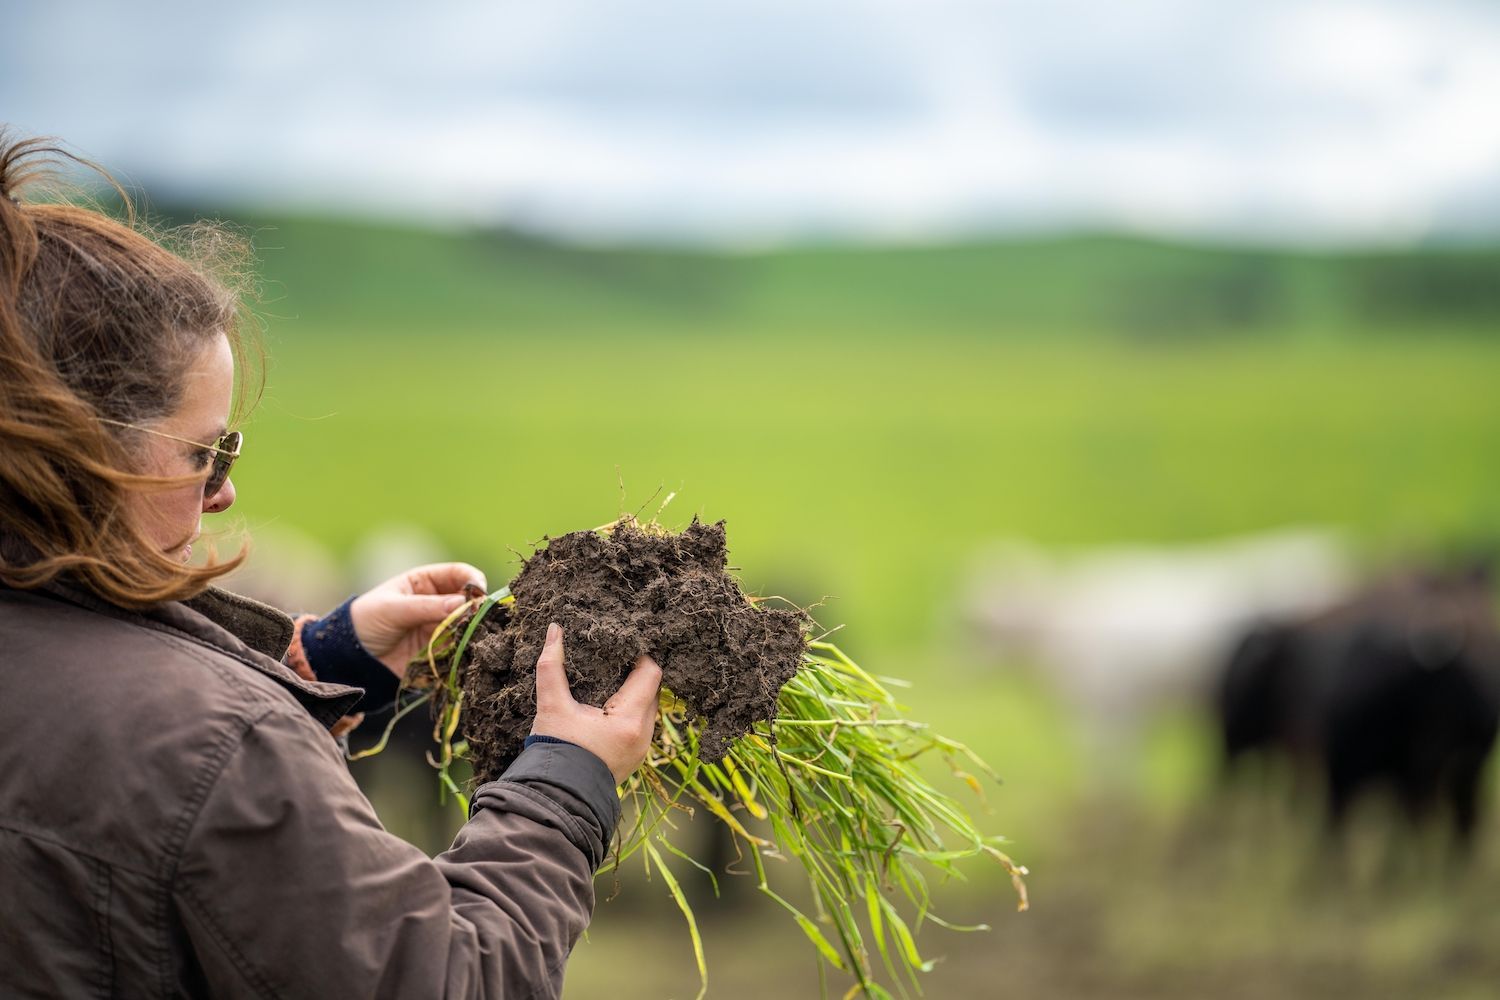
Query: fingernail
column 554, row 632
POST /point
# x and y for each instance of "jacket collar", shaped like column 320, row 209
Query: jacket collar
column 256, row 634
column 259, row 626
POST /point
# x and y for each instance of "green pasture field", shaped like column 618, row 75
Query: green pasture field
column 870, row 472
column 496, row 390
column 867, row 422
column 872, row 475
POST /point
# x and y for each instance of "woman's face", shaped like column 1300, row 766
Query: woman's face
column 173, row 518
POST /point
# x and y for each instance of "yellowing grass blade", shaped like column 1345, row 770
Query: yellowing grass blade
column 743, row 790
column 687, row 913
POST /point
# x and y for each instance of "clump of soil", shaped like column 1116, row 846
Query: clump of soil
column 618, row 595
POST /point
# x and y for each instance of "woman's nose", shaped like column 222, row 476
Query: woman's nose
column 220, row 500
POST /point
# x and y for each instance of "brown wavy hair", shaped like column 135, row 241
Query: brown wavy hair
column 100, row 318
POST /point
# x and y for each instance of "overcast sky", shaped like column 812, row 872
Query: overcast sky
column 748, row 123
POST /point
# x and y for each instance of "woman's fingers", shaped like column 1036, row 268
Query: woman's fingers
column 445, row 578
column 620, row 735
column 422, row 609
column 638, row 694
column 552, row 691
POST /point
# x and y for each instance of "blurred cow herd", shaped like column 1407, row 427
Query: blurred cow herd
column 1355, row 683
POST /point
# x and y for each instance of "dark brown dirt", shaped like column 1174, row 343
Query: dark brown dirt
column 617, row 596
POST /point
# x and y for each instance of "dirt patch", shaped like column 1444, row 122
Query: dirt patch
column 618, row 595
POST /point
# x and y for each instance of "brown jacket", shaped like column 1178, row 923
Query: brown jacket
column 175, row 820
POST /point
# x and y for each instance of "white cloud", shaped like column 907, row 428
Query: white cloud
column 1283, row 119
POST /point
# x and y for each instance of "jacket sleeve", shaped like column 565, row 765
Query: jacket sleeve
column 288, row 886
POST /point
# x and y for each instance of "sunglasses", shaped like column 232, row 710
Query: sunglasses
column 225, row 450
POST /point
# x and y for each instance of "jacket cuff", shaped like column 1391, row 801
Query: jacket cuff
column 335, row 654
column 537, row 738
column 578, row 774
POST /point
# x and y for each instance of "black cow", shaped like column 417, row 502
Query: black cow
column 1397, row 690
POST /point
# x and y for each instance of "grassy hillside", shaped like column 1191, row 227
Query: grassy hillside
column 348, row 275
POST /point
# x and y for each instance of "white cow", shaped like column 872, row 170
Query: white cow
column 1122, row 631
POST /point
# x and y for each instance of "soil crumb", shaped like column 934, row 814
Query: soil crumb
column 618, row 595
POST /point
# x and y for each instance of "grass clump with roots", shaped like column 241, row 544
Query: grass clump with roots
column 826, row 771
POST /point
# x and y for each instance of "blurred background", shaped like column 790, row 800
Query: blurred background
column 1123, row 375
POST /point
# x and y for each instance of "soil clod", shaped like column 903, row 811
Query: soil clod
column 617, row 595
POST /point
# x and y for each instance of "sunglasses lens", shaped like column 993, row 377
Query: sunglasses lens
column 223, row 462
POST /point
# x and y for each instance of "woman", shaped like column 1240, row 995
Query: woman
column 175, row 817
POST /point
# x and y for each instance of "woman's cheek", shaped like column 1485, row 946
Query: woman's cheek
column 174, row 517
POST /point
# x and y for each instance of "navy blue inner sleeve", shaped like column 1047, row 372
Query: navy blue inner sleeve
column 335, row 654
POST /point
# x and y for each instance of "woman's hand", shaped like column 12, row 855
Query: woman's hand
column 394, row 620
column 619, row 733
